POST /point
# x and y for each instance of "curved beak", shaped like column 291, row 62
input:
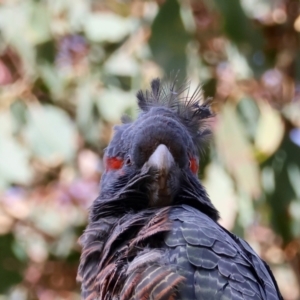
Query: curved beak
column 162, row 160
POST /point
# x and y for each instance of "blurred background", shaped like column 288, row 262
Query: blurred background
column 70, row 68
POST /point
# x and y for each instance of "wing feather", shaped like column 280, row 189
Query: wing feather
column 222, row 265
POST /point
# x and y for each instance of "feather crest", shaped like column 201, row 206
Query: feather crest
column 193, row 110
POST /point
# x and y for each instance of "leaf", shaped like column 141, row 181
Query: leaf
column 14, row 158
column 20, row 42
column 84, row 98
column 50, row 133
column 169, row 39
column 236, row 151
column 14, row 166
column 249, row 114
column 52, row 79
column 292, row 112
column 238, row 62
column 10, row 267
column 113, row 103
column 87, row 116
column 285, row 165
column 242, row 32
column 46, row 52
column 122, row 64
column 220, row 188
column 294, row 210
column 237, row 26
column 107, row 27
column 39, row 22
column 270, row 130
column 18, row 111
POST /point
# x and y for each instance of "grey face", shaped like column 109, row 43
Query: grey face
column 162, row 144
column 155, row 129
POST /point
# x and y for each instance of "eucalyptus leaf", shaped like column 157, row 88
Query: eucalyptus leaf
column 294, row 211
column 39, row 22
column 242, row 31
column 50, row 133
column 236, row 152
column 169, row 39
column 220, row 188
column 113, row 103
column 14, row 166
column 122, row 64
column 292, row 112
column 22, row 43
column 238, row 27
column 87, row 115
column 249, row 113
column 18, row 112
column 14, row 157
column 52, row 79
column 107, row 27
column 9, row 265
column 270, row 129
column 85, row 95
column 285, row 164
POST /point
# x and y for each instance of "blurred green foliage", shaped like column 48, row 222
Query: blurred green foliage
column 69, row 69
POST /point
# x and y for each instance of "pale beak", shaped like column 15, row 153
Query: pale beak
column 162, row 160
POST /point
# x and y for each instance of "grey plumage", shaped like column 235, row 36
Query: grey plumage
column 153, row 232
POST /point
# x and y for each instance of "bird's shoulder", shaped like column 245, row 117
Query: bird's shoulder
column 214, row 261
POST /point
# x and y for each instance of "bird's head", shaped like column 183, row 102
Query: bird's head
column 153, row 161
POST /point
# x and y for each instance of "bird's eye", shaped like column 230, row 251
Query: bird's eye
column 193, row 164
column 113, row 163
column 128, row 161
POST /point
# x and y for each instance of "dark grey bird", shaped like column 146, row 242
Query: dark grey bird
column 153, row 231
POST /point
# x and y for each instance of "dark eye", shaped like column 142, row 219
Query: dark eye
column 113, row 163
column 128, row 161
column 193, row 164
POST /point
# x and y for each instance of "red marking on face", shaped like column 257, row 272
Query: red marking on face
column 113, row 163
column 194, row 166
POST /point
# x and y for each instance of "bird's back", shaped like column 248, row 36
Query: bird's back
column 171, row 253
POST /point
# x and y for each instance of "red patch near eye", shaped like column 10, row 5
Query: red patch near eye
column 113, row 163
column 194, row 166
